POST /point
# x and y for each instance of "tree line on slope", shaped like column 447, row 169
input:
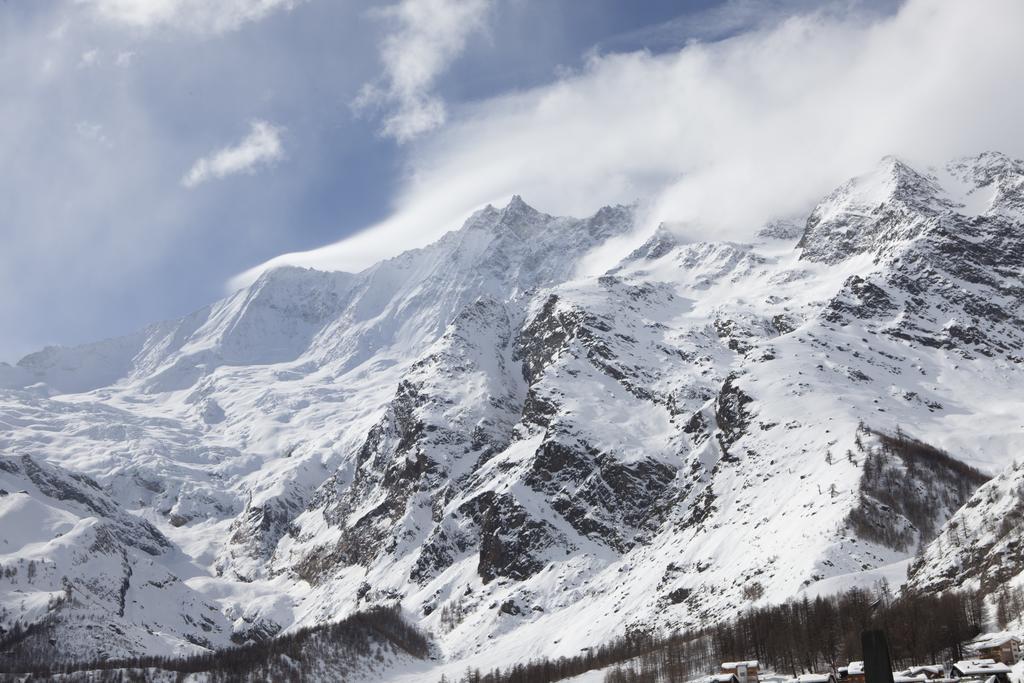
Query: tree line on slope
column 547, row 670
column 335, row 648
column 797, row 636
column 906, row 480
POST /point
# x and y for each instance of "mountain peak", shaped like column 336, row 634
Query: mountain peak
column 519, row 217
column 519, row 209
column 500, row 440
column 848, row 221
column 516, row 204
column 898, row 180
column 983, row 169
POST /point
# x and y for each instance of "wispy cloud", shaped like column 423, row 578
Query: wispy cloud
column 200, row 16
column 719, row 137
column 89, row 58
column 426, row 37
column 261, row 147
column 724, row 19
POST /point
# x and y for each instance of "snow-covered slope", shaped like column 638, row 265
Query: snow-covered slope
column 82, row 578
column 982, row 545
column 504, row 448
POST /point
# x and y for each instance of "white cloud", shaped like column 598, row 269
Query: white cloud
column 93, row 132
column 719, row 137
column 89, row 58
column 200, row 16
column 261, row 147
column 428, row 36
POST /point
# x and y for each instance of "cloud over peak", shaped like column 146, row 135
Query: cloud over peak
column 719, row 137
column 261, row 147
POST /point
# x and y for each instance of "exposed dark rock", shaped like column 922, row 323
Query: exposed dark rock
column 731, row 413
column 512, row 544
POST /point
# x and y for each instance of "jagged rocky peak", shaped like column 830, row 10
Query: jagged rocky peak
column 611, row 220
column 521, row 220
column 474, row 430
column 982, row 169
column 661, row 242
column 892, row 180
column 990, row 183
column 891, row 203
column 518, row 248
column 896, row 203
column 520, row 217
column 517, row 217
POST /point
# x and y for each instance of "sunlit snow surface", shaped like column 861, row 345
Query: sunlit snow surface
column 237, row 430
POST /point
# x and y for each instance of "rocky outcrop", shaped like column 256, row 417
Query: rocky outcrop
column 732, row 413
column 500, row 444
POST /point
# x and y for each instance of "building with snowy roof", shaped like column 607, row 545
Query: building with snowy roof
column 903, row 677
column 1002, row 647
column 982, row 669
column 929, row 671
column 816, row 678
column 722, row 678
column 746, row 672
column 852, row 673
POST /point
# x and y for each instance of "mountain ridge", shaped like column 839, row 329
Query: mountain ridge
column 473, row 429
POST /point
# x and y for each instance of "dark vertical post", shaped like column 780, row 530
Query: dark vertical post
column 877, row 663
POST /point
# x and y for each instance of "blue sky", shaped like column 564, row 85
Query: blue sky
column 155, row 149
column 103, row 238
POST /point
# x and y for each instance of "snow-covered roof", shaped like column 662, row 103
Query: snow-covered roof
column 721, row 678
column 980, row 667
column 814, row 678
column 987, row 640
column 750, row 664
column 908, row 678
column 855, row 669
column 930, row 669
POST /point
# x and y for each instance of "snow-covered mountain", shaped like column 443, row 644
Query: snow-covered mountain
column 981, row 545
column 506, row 446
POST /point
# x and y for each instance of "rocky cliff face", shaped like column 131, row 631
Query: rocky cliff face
column 503, row 447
